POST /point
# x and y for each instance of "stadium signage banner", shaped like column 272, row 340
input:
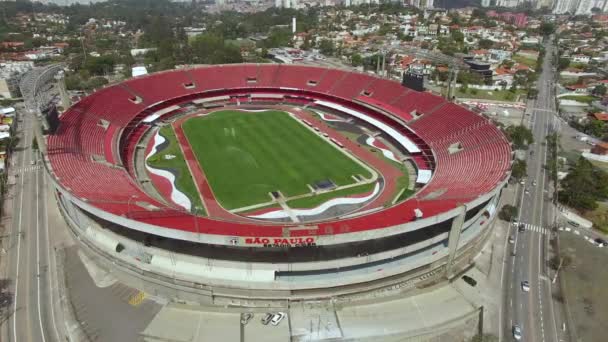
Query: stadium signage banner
column 282, row 242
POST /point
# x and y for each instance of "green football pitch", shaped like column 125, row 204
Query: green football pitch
column 246, row 155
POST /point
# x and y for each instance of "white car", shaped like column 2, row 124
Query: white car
column 517, row 332
column 277, row 318
column 525, row 286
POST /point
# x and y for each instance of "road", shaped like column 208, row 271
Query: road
column 533, row 311
column 30, row 316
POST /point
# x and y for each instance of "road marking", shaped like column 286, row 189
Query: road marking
column 25, row 169
column 38, row 260
column 536, row 229
column 48, row 258
column 137, row 298
column 19, row 243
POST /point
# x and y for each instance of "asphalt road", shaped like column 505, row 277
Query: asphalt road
column 533, row 311
column 27, row 253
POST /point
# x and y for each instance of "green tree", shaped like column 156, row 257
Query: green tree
column 584, row 186
column 563, row 63
column 96, row 83
column 508, row 212
column 457, row 36
column 485, row 43
column 520, row 136
column 211, row 49
column 547, row 28
column 519, row 169
column 326, row 47
column 99, row 65
column 599, row 90
column 356, row 60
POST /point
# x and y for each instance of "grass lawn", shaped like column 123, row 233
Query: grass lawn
column 311, row 202
column 247, row 155
column 184, row 181
column 599, row 217
column 583, row 282
column 529, row 62
column 599, row 164
column 583, row 98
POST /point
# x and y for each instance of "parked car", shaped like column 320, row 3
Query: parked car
column 246, row 317
column 601, row 242
column 469, row 280
column 511, row 239
column 525, row 286
column 266, row 318
column 573, row 224
column 277, row 318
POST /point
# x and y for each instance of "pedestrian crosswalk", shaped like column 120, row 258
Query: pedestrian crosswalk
column 28, row 168
column 535, row 228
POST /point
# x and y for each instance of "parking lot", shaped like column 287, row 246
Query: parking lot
column 583, row 277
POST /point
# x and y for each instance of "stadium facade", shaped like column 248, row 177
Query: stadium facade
column 462, row 162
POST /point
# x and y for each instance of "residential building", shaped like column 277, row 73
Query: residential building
column 565, row 6
column 583, row 59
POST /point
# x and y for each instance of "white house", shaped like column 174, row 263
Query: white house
column 583, row 59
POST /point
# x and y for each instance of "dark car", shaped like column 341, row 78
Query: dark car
column 521, row 228
column 601, row 242
column 469, row 280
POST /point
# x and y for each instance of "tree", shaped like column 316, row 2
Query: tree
column 520, row 136
column 211, row 49
column 485, row 44
column 508, row 212
column 356, row 60
column 547, row 28
column 519, row 169
column 563, row 63
column 599, row 90
column 99, row 65
column 326, row 47
column 508, row 64
column 584, row 185
column 457, row 36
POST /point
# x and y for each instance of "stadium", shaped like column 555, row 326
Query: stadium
column 268, row 182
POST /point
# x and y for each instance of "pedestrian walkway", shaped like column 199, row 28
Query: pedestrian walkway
column 27, row 169
column 534, row 228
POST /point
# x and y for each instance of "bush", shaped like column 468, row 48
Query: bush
column 508, row 212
